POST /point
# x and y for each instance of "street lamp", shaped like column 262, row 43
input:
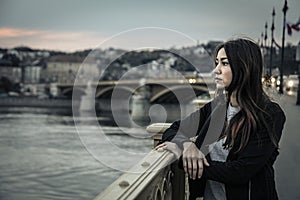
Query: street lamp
column 298, row 61
column 272, row 41
column 266, row 35
column 284, row 10
column 262, row 41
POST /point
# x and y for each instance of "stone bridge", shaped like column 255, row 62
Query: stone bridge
column 155, row 90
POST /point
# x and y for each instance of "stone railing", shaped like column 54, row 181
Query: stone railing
column 156, row 179
column 157, row 130
column 159, row 178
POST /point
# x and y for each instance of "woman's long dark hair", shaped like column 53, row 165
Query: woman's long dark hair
column 246, row 62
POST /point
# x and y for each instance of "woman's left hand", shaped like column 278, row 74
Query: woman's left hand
column 193, row 160
column 170, row 146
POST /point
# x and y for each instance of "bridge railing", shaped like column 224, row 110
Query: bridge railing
column 157, row 178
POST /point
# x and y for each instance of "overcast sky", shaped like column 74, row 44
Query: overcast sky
column 71, row 25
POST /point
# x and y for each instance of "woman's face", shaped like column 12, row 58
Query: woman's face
column 222, row 71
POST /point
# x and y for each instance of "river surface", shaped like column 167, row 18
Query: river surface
column 42, row 156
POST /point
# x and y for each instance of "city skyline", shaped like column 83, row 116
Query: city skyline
column 72, row 25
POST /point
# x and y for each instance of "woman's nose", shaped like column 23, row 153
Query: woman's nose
column 217, row 70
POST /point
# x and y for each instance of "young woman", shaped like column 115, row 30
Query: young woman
column 240, row 161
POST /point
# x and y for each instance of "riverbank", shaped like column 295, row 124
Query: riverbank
column 35, row 102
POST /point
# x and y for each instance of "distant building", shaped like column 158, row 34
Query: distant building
column 8, row 70
column 64, row 68
column 33, row 71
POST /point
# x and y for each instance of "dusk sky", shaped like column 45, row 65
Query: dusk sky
column 71, row 25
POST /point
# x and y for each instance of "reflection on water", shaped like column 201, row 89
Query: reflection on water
column 42, row 156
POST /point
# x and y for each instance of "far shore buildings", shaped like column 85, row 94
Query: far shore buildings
column 62, row 69
column 65, row 68
column 27, row 66
column 34, row 73
column 10, row 71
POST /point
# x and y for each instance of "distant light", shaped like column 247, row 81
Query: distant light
column 290, row 83
column 273, row 80
column 192, row 80
column 278, row 82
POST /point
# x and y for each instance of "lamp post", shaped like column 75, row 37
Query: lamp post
column 266, row 36
column 272, row 41
column 262, row 41
column 298, row 61
column 265, row 50
column 284, row 10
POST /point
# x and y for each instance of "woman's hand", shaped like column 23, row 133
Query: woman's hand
column 170, row 146
column 193, row 160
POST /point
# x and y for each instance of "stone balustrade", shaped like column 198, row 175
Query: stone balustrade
column 158, row 177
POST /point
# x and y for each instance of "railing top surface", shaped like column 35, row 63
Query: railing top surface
column 157, row 127
column 130, row 185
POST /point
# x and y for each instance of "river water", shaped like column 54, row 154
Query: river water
column 42, row 156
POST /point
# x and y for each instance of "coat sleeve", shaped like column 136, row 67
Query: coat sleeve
column 251, row 159
column 181, row 131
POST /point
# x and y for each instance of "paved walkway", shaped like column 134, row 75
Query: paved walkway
column 287, row 166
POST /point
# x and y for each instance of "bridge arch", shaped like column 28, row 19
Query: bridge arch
column 107, row 92
column 168, row 94
column 69, row 91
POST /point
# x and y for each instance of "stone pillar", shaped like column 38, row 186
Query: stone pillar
column 87, row 102
column 141, row 104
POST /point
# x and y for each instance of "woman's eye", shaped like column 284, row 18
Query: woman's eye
column 225, row 63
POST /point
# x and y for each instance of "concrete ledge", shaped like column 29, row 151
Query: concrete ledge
column 151, row 181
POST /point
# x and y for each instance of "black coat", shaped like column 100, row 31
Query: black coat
column 248, row 174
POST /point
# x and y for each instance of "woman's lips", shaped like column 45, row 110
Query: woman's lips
column 218, row 79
